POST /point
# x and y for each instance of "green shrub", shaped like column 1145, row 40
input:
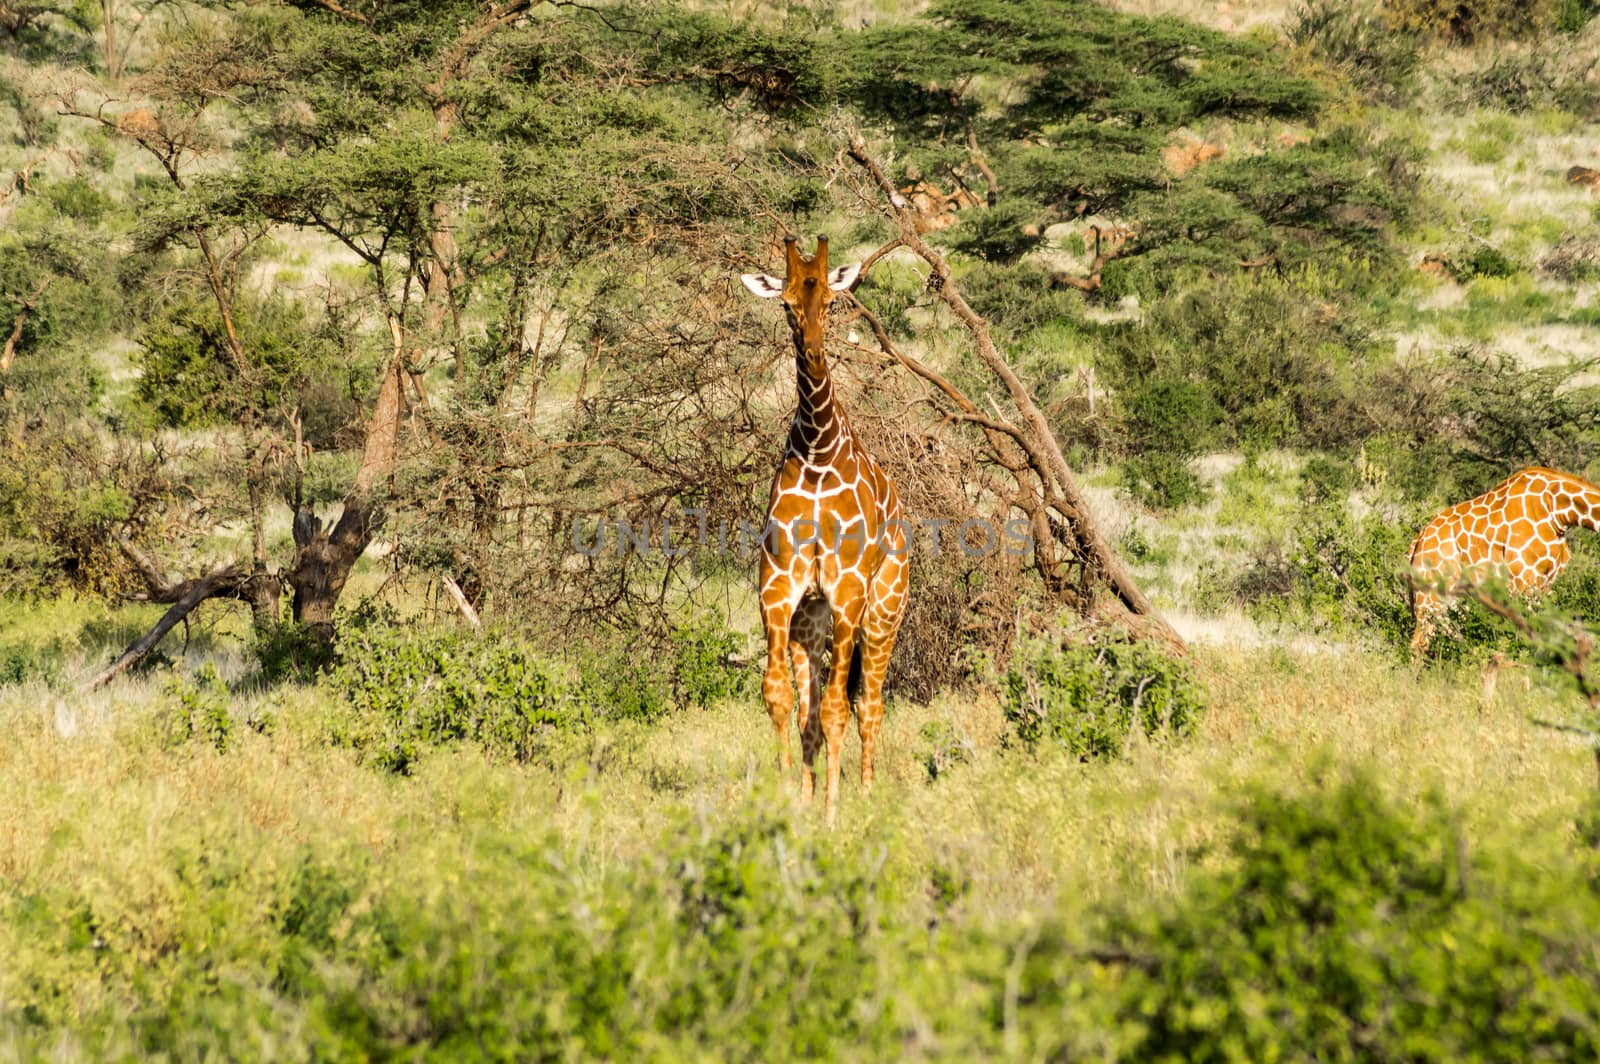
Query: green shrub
column 1088, row 698
column 1162, row 481
column 624, row 685
column 1484, row 260
column 1327, row 478
column 1253, row 362
column 746, row 939
column 1019, row 297
column 410, row 688
column 188, row 376
column 1169, row 420
column 1336, row 923
column 198, row 711
column 1352, row 572
column 77, row 198
column 705, row 666
column 22, row 662
column 1000, row 234
column 1461, row 22
column 1458, row 424
column 1576, row 591
column 288, row 651
column 1347, row 926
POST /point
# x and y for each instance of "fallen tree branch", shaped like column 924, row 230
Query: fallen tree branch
column 460, row 598
column 198, row 591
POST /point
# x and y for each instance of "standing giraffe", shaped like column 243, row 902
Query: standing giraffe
column 1516, row 531
column 835, row 551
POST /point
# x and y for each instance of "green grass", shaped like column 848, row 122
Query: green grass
column 178, row 898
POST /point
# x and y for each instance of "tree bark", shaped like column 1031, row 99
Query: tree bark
column 108, row 18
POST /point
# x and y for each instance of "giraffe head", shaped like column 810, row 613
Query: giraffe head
column 807, row 288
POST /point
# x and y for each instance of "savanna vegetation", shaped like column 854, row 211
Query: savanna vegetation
column 381, row 418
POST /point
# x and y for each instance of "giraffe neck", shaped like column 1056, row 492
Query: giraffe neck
column 819, row 430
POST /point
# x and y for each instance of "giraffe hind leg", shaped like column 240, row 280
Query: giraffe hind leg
column 879, row 629
column 1426, row 610
column 808, row 647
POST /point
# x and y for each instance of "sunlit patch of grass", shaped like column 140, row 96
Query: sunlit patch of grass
column 1490, row 140
column 1552, row 122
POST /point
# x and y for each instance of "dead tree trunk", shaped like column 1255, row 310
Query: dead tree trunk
column 324, row 556
column 1048, row 491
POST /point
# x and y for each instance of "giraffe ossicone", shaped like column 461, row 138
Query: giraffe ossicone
column 1516, row 531
column 841, row 589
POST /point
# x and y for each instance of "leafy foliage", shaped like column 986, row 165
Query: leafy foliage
column 1169, row 420
column 696, row 944
column 23, row 662
column 1461, row 422
column 1363, row 42
column 408, row 690
column 622, row 684
column 1464, row 23
column 1252, row 362
column 199, row 711
column 1090, row 697
column 65, row 496
column 188, row 376
column 1336, row 921
column 941, row 747
column 1353, row 572
column 705, row 669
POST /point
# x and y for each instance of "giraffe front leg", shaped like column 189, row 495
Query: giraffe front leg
column 807, row 644
column 775, row 688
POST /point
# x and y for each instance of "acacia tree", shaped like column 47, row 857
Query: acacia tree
column 382, row 196
column 467, row 175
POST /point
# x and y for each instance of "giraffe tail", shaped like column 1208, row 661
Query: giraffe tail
column 853, row 682
column 1411, row 574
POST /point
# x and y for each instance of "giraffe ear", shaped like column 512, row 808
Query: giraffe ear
column 762, row 285
column 844, row 276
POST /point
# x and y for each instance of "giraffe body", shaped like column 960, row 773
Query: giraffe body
column 834, row 565
column 1516, row 532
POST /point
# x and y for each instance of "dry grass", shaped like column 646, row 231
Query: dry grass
column 1230, row 16
column 96, row 807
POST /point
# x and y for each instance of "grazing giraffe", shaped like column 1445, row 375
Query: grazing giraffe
column 835, row 549
column 1516, row 531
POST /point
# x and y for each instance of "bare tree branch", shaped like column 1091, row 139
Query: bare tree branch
column 1038, row 433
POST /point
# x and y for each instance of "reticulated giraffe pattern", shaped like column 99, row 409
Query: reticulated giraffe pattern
column 834, row 563
column 1515, row 532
